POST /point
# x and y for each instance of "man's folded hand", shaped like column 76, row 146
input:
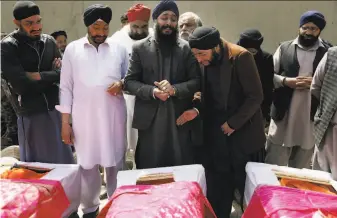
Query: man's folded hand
column 115, row 88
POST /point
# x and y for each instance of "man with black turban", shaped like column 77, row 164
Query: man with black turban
column 91, row 93
column 163, row 75
column 232, row 119
column 251, row 39
column 30, row 64
column 290, row 140
column 61, row 39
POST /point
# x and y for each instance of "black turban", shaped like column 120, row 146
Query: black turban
column 313, row 16
column 204, row 38
column 95, row 12
column 25, row 9
column 251, row 38
column 165, row 5
column 59, row 33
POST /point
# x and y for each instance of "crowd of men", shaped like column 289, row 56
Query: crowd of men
column 176, row 94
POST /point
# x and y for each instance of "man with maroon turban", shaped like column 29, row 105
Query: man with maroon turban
column 137, row 29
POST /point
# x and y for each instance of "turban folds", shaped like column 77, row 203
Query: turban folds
column 165, row 5
column 25, row 9
column 251, row 38
column 315, row 17
column 95, row 12
column 204, row 38
column 139, row 12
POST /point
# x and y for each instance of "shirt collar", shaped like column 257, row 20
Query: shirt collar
column 315, row 47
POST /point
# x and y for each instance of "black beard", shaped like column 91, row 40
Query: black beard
column 307, row 40
column 217, row 57
column 170, row 39
column 136, row 36
column 93, row 38
column 33, row 38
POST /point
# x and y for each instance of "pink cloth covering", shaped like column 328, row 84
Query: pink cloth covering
column 21, row 198
column 277, row 201
column 178, row 199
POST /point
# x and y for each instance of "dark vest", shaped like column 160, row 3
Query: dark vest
column 289, row 67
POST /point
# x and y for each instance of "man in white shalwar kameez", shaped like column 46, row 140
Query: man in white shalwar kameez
column 90, row 91
column 137, row 29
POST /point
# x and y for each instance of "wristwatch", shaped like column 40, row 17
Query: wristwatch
column 174, row 91
column 284, row 81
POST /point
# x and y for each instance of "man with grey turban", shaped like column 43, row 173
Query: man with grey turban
column 91, row 93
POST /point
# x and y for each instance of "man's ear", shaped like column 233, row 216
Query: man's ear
column 16, row 22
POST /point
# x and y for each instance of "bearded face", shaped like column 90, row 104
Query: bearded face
column 98, row 32
column 308, row 34
column 139, row 30
column 166, row 27
column 31, row 26
column 186, row 26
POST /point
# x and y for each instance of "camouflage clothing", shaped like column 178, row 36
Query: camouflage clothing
column 9, row 130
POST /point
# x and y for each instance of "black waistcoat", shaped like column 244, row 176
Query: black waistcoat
column 289, row 67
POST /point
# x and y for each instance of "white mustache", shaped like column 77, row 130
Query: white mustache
column 184, row 32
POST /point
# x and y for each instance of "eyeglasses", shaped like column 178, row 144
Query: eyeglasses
column 311, row 28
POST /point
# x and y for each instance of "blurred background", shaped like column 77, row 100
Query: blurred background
column 277, row 20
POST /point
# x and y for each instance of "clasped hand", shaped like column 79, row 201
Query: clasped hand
column 163, row 90
column 300, row 82
column 115, row 88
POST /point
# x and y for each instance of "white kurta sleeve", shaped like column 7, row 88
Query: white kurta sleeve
column 278, row 79
column 66, row 83
column 125, row 63
column 318, row 78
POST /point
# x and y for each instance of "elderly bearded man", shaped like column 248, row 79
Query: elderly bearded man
column 163, row 75
column 188, row 21
column 137, row 29
column 91, row 93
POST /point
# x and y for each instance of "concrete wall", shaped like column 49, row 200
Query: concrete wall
column 277, row 20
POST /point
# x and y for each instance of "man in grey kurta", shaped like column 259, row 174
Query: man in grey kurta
column 290, row 139
column 324, row 88
column 163, row 75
